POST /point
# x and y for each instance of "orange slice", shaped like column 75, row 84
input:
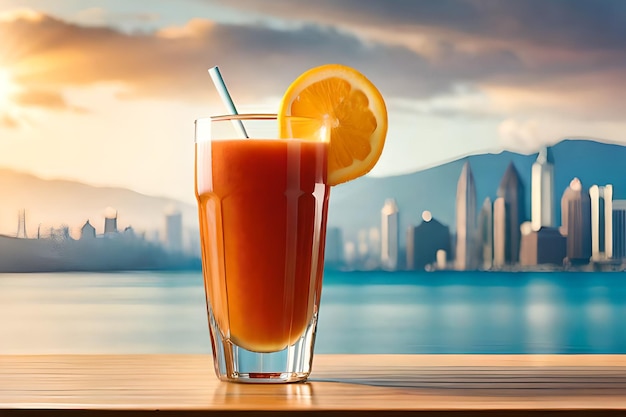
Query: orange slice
column 354, row 110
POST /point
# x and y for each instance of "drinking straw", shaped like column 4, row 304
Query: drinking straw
column 216, row 76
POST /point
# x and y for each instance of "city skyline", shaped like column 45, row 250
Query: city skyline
column 367, row 248
column 81, row 82
column 115, row 249
column 501, row 235
column 172, row 238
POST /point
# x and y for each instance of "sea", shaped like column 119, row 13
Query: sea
column 360, row 312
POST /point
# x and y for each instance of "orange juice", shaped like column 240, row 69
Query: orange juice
column 262, row 206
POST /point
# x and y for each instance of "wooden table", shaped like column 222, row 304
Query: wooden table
column 354, row 385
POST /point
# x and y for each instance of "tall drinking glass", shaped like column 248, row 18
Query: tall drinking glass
column 262, row 203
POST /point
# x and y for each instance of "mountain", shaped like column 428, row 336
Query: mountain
column 356, row 205
column 52, row 203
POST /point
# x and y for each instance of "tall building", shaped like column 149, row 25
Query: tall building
column 368, row 249
column 424, row 241
column 619, row 229
column 361, row 245
column 499, row 232
column 542, row 190
column 21, row 225
column 543, row 246
column 508, row 215
column 87, row 231
column 601, row 222
column 174, row 231
column 466, row 220
column 410, row 247
column 333, row 253
column 485, row 230
column 110, row 221
column 349, row 254
column 373, row 246
column 389, row 235
column 576, row 219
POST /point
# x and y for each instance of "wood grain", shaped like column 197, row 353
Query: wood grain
column 125, row 385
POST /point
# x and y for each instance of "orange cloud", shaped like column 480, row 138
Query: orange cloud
column 257, row 60
column 8, row 121
column 423, row 59
column 195, row 28
column 45, row 54
column 40, row 98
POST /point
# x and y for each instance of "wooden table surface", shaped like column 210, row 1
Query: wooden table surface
column 184, row 385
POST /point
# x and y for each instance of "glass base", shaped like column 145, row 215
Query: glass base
column 235, row 364
column 265, row 377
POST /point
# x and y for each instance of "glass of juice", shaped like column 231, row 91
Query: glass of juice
column 263, row 202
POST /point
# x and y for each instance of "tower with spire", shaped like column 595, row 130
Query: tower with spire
column 485, row 231
column 508, row 215
column 576, row 222
column 390, row 235
column 601, row 222
column 466, row 220
column 542, row 190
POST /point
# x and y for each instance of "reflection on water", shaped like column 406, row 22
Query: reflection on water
column 360, row 313
column 102, row 313
column 474, row 313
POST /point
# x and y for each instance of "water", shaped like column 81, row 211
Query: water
column 443, row 312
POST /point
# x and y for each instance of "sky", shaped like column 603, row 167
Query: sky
column 106, row 92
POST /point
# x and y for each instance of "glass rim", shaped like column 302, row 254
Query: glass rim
column 254, row 123
column 250, row 116
column 243, row 116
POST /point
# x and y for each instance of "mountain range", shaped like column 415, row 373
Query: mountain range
column 53, row 203
column 354, row 206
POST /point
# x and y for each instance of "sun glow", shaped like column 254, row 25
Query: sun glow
column 7, row 88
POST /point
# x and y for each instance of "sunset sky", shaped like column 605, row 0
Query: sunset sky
column 105, row 92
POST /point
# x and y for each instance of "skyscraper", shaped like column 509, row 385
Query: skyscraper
column 601, row 222
column 619, row 229
column 499, row 232
column 508, row 215
column 174, row 231
column 542, row 190
column 334, row 247
column 389, row 235
column 466, row 220
column 87, row 231
column 110, row 221
column 576, row 219
column 485, row 230
column 410, row 247
column 544, row 246
column 21, row 225
column 373, row 246
column 424, row 241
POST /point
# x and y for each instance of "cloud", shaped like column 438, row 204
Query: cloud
column 259, row 59
column 463, row 101
column 40, row 98
column 588, row 24
column 171, row 63
column 98, row 16
column 7, row 121
column 46, row 99
column 520, row 135
column 20, row 14
column 563, row 48
column 513, row 59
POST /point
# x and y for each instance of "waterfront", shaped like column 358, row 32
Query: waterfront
column 361, row 312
